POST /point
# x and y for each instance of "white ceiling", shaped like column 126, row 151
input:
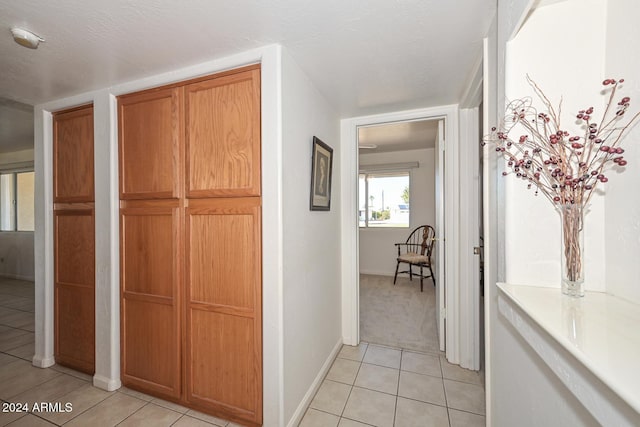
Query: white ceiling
column 365, row 56
column 401, row 136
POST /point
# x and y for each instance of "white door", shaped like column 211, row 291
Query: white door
column 439, row 258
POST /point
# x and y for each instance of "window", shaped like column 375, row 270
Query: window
column 16, row 201
column 384, row 199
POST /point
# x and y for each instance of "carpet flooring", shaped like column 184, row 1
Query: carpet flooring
column 398, row 316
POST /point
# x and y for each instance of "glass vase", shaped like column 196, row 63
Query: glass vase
column 572, row 257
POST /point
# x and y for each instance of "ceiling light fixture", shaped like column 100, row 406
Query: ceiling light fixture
column 26, row 38
column 368, row 146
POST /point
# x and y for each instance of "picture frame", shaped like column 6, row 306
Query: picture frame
column 321, row 169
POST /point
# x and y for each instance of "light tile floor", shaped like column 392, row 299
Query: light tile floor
column 373, row 385
column 22, row 383
column 368, row 385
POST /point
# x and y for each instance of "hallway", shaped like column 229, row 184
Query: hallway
column 372, row 385
column 369, row 385
column 397, row 376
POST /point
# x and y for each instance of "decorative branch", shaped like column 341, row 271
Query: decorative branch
column 564, row 167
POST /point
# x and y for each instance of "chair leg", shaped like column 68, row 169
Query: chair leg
column 432, row 276
column 396, row 275
column 421, row 279
column 410, row 272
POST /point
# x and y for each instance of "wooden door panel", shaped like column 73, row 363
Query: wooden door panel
column 150, row 315
column 73, row 155
column 151, row 356
column 147, row 242
column 223, row 136
column 74, row 272
column 75, row 327
column 223, row 252
column 149, row 144
column 190, row 228
column 223, row 368
column 224, row 343
column 74, row 247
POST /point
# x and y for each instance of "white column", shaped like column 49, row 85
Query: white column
column 107, row 286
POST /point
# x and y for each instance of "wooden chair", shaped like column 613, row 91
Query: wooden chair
column 417, row 251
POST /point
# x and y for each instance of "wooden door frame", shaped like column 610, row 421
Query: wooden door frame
column 350, row 240
column 107, row 292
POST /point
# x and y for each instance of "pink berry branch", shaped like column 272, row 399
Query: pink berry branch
column 564, row 167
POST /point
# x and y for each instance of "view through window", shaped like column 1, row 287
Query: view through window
column 16, row 201
column 384, row 199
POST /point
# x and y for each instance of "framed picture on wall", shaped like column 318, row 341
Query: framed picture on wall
column 321, row 164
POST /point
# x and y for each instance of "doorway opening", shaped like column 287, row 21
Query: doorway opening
column 397, row 175
column 446, row 273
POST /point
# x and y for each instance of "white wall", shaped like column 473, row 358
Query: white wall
column 16, row 248
column 522, row 389
column 556, row 61
column 527, row 392
column 622, row 202
column 377, row 252
column 16, row 254
column 312, row 283
column 509, row 16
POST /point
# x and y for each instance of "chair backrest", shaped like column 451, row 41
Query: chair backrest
column 423, row 237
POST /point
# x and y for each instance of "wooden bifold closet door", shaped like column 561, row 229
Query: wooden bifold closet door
column 74, row 239
column 191, row 269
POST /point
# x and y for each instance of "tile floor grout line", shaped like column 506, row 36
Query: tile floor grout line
column 179, row 418
column 395, row 408
column 31, row 388
column 13, row 348
column 373, row 364
column 361, row 422
column 19, row 329
column 17, row 309
column 19, row 358
column 90, row 407
column 431, row 376
column 428, row 403
column 44, row 419
column 444, row 390
column 463, row 382
column 354, row 383
column 467, row 411
column 146, row 402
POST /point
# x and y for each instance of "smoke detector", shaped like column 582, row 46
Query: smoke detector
column 26, row 38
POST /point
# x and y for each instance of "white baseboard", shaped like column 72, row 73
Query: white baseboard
column 108, row 384
column 18, row 277
column 377, row 273
column 302, row 407
column 42, row 362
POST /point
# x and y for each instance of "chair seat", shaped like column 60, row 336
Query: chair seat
column 413, row 258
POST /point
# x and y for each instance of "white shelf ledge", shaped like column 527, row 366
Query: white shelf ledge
column 601, row 331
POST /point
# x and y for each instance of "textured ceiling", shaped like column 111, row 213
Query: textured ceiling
column 365, row 56
column 402, row 136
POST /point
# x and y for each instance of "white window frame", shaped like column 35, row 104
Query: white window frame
column 15, row 170
column 376, row 172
